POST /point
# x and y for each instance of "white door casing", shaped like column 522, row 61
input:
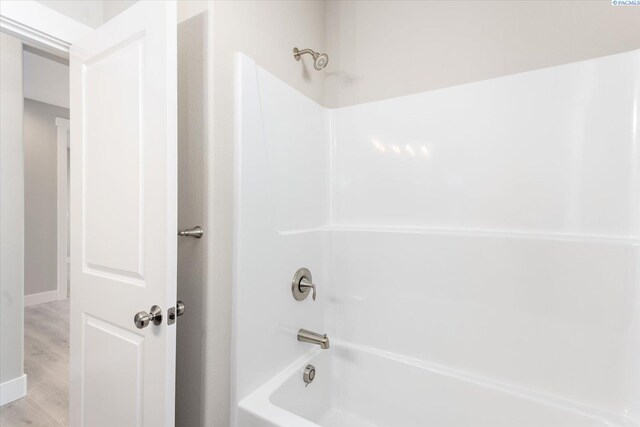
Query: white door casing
column 63, row 207
column 124, row 218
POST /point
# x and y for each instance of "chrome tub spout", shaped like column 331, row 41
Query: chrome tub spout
column 313, row 338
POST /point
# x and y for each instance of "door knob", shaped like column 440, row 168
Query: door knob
column 143, row 318
column 179, row 308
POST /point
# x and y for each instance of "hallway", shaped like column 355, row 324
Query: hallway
column 46, row 353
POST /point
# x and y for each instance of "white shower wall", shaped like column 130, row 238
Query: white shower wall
column 492, row 228
column 281, row 212
column 547, row 151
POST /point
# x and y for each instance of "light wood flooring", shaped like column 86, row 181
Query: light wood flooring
column 46, row 363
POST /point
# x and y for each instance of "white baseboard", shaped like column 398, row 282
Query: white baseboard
column 40, row 298
column 13, row 389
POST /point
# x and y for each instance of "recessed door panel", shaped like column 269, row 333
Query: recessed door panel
column 108, row 349
column 113, row 170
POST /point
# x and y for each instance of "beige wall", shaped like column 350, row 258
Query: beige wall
column 111, row 8
column 186, row 8
column 11, row 210
column 41, row 196
column 89, row 12
column 267, row 31
column 383, row 49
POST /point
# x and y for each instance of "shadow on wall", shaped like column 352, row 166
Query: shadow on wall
column 192, row 203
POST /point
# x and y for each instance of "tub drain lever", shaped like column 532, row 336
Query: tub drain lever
column 309, row 374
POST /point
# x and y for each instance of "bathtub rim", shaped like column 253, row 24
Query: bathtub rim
column 259, row 403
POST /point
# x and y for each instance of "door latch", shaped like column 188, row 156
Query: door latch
column 174, row 312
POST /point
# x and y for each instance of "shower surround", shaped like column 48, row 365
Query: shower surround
column 475, row 250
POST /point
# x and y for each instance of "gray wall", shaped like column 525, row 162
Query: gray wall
column 40, row 201
column 11, row 209
column 192, row 203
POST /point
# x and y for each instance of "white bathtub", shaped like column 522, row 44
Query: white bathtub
column 356, row 386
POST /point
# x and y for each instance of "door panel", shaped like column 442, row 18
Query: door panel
column 123, row 219
column 109, row 348
column 114, row 169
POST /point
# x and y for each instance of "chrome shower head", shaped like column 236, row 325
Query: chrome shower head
column 320, row 60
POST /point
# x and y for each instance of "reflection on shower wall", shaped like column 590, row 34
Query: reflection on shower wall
column 492, row 228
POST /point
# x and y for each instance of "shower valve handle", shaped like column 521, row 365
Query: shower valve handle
column 305, row 284
column 301, row 284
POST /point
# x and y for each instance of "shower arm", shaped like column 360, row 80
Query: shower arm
column 297, row 53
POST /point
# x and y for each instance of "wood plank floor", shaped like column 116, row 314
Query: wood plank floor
column 46, row 363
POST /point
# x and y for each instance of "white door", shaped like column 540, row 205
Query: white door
column 123, row 219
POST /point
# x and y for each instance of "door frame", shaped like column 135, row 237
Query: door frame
column 37, row 25
column 40, row 26
column 63, row 190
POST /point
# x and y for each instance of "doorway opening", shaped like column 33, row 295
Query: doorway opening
column 124, row 194
column 46, row 237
